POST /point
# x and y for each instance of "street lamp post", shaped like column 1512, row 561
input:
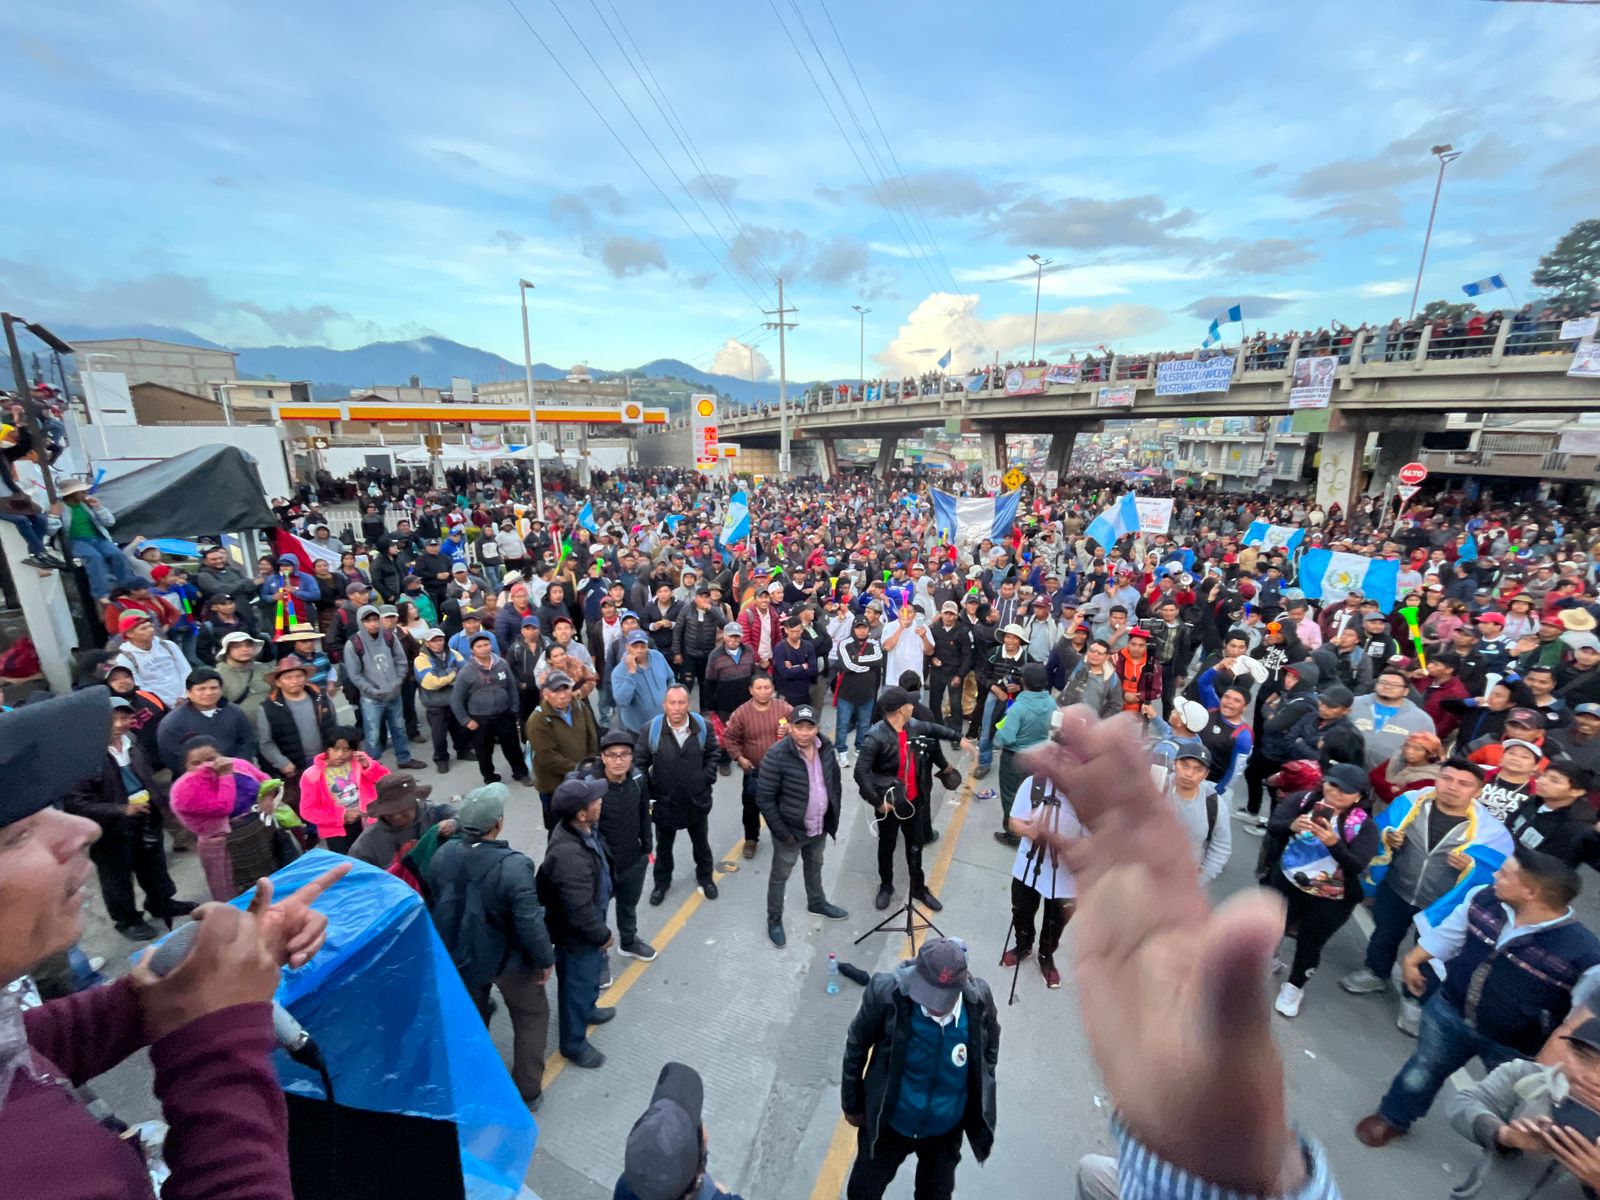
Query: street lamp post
column 861, row 366
column 1446, row 155
column 533, row 412
column 1038, row 285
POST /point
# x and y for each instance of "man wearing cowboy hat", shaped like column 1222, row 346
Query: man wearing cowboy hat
column 1000, row 678
column 919, row 1072
column 87, row 524
column 401, row 813
column 293, row 724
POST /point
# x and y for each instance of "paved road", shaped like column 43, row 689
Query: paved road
column 757, row 1023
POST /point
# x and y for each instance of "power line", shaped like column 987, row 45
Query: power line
column 645, row 133
column 675, row 123
column 626, row 149
column 900, row 173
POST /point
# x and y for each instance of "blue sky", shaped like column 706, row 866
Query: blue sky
column 348, row 172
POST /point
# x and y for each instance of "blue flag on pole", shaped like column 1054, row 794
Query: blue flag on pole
column 1492, row 283
column 966, row 519
column 1328, row 576
column 736, row 521
column 945, row 361
column 586, row 517
column 1121, row 519
column 1274, row 537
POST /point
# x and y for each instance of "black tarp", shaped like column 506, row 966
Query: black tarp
column 210, row 489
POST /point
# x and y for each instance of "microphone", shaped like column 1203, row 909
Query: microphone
column 290, row 1034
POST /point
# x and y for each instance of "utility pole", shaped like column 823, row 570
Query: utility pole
column 1038, row 286
column 782, row 327
column 862, row 365
column 533, row 412
column 752, row 350
column 1446, row 155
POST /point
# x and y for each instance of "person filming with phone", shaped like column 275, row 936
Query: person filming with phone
column 208, row 1022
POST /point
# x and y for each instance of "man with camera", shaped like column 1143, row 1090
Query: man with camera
column 893, row 772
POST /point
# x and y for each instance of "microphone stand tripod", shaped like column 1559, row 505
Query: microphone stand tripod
column 916, row 920
column 1035, row 864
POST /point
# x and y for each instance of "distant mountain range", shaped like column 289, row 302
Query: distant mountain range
column 434, row 360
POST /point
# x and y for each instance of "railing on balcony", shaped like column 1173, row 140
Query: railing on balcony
column 1515, row 443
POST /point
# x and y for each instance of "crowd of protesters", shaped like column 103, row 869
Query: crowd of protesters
column 1434, row 757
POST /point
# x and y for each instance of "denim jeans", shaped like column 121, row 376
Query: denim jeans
column 106, row 565
column 986, row 737
column 33, row 530
column 852, row 714
column 1445, row 1044
column 577, row 988
column 1391, row 922
column 374, row 715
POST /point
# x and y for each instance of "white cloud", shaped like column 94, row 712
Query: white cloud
column 734, row 359
column 937, row 321
column 1386, row 287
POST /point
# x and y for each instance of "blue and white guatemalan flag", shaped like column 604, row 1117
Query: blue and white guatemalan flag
column 975, row 382
column 1328, row 576
column 586, row 517
column 1274, row 537
column 736, row 521
column 1492, row 284
column 964, row 520
column 1120, row 519
column 944, row 362
column 1214, row 334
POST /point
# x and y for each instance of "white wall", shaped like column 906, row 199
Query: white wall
column 127, row 448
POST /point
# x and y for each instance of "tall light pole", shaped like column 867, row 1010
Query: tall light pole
column 533, row 412
column 782, row 327
column 1446, row 155
column 862, row 365
column 1038, row 286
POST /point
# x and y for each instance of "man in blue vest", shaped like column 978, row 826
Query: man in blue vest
column 919, row 1066
column 1512, row 953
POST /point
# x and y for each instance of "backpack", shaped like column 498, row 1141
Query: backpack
column 21, row 661
column 659, row 719
column 389, row 639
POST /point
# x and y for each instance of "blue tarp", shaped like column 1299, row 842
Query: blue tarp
column 397, row 1029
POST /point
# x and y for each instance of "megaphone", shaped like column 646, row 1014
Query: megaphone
column 1489, row 681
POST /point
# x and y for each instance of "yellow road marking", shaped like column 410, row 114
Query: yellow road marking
column 842, row 1146
column 557, row 1063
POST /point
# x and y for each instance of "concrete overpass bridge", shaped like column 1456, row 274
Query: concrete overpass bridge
column 1378, row 387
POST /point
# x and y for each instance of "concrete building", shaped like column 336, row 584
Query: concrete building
column 189, row 369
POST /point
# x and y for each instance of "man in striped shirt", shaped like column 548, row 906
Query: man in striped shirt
column 752, row 729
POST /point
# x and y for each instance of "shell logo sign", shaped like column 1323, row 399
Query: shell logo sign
column 705, row 408
column 703, row 430
column 633, row 413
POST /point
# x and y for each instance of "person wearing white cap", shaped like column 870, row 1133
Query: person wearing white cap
column 1000, row 678
column 244, row 677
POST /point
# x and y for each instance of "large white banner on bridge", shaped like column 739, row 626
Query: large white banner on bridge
column 1155, row 513
column 1313, row 382
column 1119, row 395
column 1186, row 376
column 1586, row 361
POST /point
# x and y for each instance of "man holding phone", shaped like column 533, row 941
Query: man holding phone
column 1537, row 1124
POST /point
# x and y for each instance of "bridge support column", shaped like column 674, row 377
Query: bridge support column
column 1061, row 443
column 827, row 459
column 992, row 440
column 1339, row 467
column 886, row 448
column 1396, row 447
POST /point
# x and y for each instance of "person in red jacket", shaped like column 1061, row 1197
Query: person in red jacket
column 1443, row 683
column 208, row 1023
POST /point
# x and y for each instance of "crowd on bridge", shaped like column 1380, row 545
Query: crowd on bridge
column 1427, row 752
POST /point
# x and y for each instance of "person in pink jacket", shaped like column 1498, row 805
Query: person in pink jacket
column 337, row 787
column 214, row 795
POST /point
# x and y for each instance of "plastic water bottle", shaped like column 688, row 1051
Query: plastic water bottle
column 833, row 975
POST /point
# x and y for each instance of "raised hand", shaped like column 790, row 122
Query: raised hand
column 1172, row 993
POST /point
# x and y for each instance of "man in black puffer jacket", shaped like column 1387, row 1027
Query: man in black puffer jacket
column 797, row 791
column 575, row 886
column 891, row 776
column 486, row 908
column 625, row 829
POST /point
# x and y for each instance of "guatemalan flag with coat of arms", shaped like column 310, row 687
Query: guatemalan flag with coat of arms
column 1328, row 576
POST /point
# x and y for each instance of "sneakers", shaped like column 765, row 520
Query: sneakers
column 709, row 888
column 831, row 911
column 1363, row 982
column 775, row 934
column 1288, row 1002
column 982, row 771
column 643, row 951
column 1259, row 829
column 38, row 563
column 590, row 1059
column 605, row 977
column 844, row 758
column 657, row 895
column 1410, row 1018
column 1047, row 968
column 1278, row 967
column 883, row 898
column 1013, row 956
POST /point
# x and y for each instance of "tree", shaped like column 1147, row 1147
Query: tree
column 1444, row 312
column 1571, row 272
